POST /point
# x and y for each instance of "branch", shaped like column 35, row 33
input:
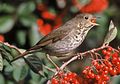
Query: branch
column 78, row 55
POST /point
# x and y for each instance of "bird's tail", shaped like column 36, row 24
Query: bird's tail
column 20, row 56
column 30, row 51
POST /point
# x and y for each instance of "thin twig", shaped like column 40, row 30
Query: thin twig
column 49, row 69
column 69, row 61
column 48, row 57
column 84, row 53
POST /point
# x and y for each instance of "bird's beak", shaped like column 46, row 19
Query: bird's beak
column 93, row 21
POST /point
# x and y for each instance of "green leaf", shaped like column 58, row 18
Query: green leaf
column 111, row 34
column 6, row 55
column 35, row 64
column 35, row 77
column 27, row 20
column 7, row 8
column 84, row 2
column 10, row 82
column 73, row 9
column 1, row 63
column 6, row 23
column 26, row 8
column 21, row 37
column 20, row 73
column 8, row 68
column 115, row 80
column 9, row 52
column 7, row 48
column 34, row 35
column 2, row 80
column 14, row 52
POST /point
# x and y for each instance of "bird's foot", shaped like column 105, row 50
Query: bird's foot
column 80, row 56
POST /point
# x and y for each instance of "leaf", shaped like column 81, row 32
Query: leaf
column 6, row 23
column 6, row 8
column 20, row 73
column 8, row 68
column 115, row 79
column 14, row 52
column 1, row 63
column 34, row 77
column 6, row 55
column 2, row 80
column 21, row 37
column 35, row 64
column 34, row 35
column 111, row 34
column 84, row 2
column 26, row 8
column 27, row 20
column 8, row 51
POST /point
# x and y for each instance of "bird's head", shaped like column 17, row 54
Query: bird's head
column 86, row 21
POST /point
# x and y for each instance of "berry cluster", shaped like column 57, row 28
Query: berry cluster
column 102, row 69
column 67, row 78
column 48, row 21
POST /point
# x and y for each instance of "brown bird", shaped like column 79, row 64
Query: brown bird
column 63, row 41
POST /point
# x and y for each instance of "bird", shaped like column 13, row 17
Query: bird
column 63, row 41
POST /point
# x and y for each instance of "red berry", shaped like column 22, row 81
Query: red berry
column 66, row 78
column 87, row 76
column 71, row 75
column 119, row 59
column 85, row 71
column 105, row 77
column 107, row 57
column 113, row 72
column 97, row 77
column 117, row 63
column 103, row 82
column 104, row 52
column 94, row 62
column 105, row 72
column 106, row 68
column 98, row 66
column 107, row 63
column 114, row 59
column 115, row 54
column 108, row 53
column 75, row 81
column 74, row 74
column 110, row 68
column 54, row 81
column 87, row 67
column 110, row 49
column 64, row 82
column 91, row 75
column 118, row 69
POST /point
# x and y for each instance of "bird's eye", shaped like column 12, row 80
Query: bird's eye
column 86, row 17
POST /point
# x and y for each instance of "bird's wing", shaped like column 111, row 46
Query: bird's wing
column 54, row 36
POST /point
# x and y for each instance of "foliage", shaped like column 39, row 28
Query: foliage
column 24, row 22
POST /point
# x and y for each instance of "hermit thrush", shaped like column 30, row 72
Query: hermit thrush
column 64, row 40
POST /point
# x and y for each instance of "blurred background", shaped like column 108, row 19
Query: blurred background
column 24, row 22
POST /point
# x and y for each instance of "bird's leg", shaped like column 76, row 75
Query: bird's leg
column 48, row 57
